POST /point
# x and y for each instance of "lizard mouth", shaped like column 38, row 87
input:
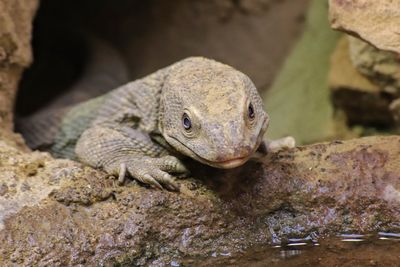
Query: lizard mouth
column 232, row 163
column 224, row 164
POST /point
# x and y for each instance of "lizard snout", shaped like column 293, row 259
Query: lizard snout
column 235, row 157
column 233, row 153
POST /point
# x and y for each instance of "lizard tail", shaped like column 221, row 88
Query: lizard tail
column 104, row 71
column 40, row 129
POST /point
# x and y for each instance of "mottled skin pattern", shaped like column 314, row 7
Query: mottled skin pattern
column 197, row 108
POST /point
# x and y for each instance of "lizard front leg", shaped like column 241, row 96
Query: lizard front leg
column 278, row 144
column 122, row 151
column 267, row 146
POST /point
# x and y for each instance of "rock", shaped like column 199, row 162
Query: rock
column 351, row 186
column 27, row 178
column 347, row 84
column 373, row 21
column 376, row 58
column 380, row 67
column 15, row 51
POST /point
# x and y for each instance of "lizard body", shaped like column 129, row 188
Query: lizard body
column 197, row 108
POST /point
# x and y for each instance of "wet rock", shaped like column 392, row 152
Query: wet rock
column 373, row 21
column 351, row 186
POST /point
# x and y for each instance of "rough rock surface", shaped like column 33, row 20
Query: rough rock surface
column 15, row 51
column 347, row 83
column 375, row 57
column 373, row 21
column 380, row 67
column 86, row 219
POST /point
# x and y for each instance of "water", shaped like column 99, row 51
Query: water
column 348, row 249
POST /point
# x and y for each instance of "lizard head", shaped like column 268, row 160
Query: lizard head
column 211, row 112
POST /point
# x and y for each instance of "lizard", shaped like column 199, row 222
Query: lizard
column 197, row 108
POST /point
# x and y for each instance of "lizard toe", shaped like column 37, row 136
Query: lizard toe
column 164, row 178
column 171, row 164
column 149, row 174
column 282, row 143
column 122, row 173
column 142, row 173
column 148, row 179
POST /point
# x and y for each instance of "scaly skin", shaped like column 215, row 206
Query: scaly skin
column 139, row 128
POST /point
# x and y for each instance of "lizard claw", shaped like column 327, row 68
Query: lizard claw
column 273, row 146
column 164, row 178
column 147, row 179
column 122, row 173
column 152, row 171
column 282, row 143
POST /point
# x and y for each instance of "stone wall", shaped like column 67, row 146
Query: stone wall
column 15, row 52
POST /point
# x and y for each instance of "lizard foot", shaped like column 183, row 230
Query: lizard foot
column 153, row 171
column 282, row 143
column 274, row 145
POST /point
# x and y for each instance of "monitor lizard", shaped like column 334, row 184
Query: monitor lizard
column 197, row 107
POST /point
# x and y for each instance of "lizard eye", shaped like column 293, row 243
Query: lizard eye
column 186, row 122
column 251, row 112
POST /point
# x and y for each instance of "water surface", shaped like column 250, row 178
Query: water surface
column 380, row 249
